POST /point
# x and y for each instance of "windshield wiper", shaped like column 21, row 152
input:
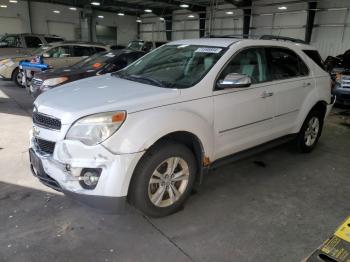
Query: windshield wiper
column 147, row 79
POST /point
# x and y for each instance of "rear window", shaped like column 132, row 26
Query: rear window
column 315, row 56
column 53, row 39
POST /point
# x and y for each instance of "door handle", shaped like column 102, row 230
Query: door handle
column 306, row 84
column 266, row 94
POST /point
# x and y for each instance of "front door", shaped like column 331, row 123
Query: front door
column 243, row 116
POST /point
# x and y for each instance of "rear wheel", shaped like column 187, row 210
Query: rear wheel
column 163, row 179
column 310, row 132
column 17, row 77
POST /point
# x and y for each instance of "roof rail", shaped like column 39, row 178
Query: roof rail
column 283, row 38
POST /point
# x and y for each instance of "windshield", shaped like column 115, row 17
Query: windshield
column 173, row 66
column 135, row 45
column 40, row 50
column 95, row 61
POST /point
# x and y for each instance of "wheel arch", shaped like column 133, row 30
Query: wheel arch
column 13, row 72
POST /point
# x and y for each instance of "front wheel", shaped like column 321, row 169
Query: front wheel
column 310, row 132
column 163, row 179
column 17, row 77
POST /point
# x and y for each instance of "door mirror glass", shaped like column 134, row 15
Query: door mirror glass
column 234, row 80
column 3, row 44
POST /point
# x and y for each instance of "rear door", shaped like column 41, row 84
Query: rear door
column 291, row 82
column 78, row 53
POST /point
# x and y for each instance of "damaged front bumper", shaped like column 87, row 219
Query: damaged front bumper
column 64, row 169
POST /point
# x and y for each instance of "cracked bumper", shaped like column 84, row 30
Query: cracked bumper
column 61, row 171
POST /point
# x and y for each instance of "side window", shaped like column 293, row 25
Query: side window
column 99, row 49
column 82, row 51
column 59, row 52
column 53, row 39
column 250, row 62
column 12, row 41
column 284, row 64
column 32, row 41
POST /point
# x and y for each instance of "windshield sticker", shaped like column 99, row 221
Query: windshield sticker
column 110, row 55
column 213, row 50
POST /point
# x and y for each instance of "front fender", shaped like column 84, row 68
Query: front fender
column 142, row 129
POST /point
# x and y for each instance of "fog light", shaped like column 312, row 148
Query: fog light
column 89, row 177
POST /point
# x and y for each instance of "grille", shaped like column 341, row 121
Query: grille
column 345, row 83
column 45, row 146
column 36, row 83
column 46, row 121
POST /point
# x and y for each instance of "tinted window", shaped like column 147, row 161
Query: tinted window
column 284, row 63
column 32, row 41
column 99, row 49
column 12, row 41
column 315, row 56
column 82, row 51
column 53, row 39
column 250, row 62
column 59, row 51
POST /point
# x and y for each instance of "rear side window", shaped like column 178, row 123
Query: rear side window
column 315, row 56
column 284, row 64
column 83, row 51
column 53, row 39
column 99, row 49
column 32, row 41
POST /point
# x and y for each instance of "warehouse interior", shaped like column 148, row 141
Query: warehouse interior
column 275, row 205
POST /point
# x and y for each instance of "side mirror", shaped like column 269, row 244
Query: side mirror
column 234, row 80
column 46, row 55
column 4, row 44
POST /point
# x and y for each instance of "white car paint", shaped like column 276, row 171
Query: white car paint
column 220, row 119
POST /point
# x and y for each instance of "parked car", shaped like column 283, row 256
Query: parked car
column 146, row 46
column 98, row 64
column 25, row 43
column 149, row 131
column 56, row 55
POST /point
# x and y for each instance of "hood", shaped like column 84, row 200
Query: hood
column 17, row 56
column 65, row 71
column 98, row 94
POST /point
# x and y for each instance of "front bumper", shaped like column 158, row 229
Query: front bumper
column 61, row 171
column 343, row 95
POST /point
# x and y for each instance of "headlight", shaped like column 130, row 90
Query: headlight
column 55, row 81
column 94, row 129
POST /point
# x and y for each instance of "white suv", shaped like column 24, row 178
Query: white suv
column 146, row 133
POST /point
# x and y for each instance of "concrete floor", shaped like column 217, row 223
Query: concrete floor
column 245, row 211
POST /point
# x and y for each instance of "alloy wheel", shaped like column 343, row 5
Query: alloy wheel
column 168, row 182
column 312, row 131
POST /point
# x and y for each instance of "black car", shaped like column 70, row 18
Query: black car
column 98, row 64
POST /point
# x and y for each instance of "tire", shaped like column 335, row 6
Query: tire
column 157, row 190
column 310, row 131
column 17, row 77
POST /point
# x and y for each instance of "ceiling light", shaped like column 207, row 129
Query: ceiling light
column 96, row 3
column 3, row 6
column 282, row 8
column 161, row 18
column 121, row 14
column 138, row 20
column 13, row 1
column 229, row 13
column 148, row 10
column 191, row 16
column 101, row 16
column 73, row 8
column 184, row 6
column 56, row 11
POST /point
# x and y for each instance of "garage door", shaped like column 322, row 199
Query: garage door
column 65, row 30
column 10, row 25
